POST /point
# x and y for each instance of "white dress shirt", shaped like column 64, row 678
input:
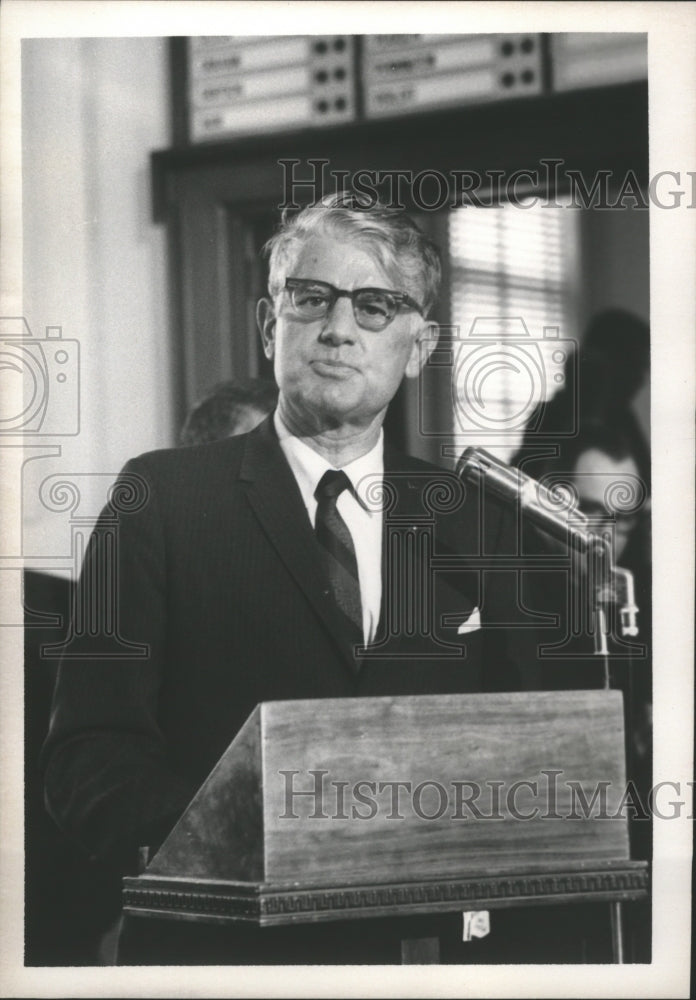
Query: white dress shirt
column 363, row 519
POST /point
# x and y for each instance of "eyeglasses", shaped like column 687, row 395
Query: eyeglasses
column 373, row 308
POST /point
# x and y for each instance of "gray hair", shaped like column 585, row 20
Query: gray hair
column 387, row 233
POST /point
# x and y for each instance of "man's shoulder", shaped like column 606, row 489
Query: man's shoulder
column 191, row 461
column 214, row 460
column 187, row 483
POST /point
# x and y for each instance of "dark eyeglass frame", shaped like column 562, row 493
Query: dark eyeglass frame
column 400, row 299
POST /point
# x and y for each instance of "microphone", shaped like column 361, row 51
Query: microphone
column 550, row 511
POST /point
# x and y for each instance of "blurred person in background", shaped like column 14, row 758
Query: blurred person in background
column 230, row 408
column 613, row 365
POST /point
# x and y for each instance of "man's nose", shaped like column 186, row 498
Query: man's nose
column 339, row 327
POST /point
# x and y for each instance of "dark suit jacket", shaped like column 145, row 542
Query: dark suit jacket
column 220, row 588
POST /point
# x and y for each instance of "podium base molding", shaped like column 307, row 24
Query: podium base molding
column 273, row 904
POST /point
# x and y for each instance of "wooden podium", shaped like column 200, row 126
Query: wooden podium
column 368, row 807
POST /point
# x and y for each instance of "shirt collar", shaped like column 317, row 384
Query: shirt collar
column 309, row 466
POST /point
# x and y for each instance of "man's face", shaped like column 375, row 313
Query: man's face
column 331, row 372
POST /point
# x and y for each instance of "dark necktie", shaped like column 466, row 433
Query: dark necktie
column 338, row 551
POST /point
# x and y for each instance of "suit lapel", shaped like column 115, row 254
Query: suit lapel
column 276, row 500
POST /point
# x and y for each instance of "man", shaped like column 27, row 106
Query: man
column 249, row 571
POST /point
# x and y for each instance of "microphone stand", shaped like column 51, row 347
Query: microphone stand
column 599, row 557
column 619, row 593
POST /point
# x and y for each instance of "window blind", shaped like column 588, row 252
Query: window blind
column 512, row 298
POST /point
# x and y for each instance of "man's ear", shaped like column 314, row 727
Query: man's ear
column 423, row 347
column 266, row 320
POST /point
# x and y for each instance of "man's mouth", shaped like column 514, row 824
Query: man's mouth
column 333, row 369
